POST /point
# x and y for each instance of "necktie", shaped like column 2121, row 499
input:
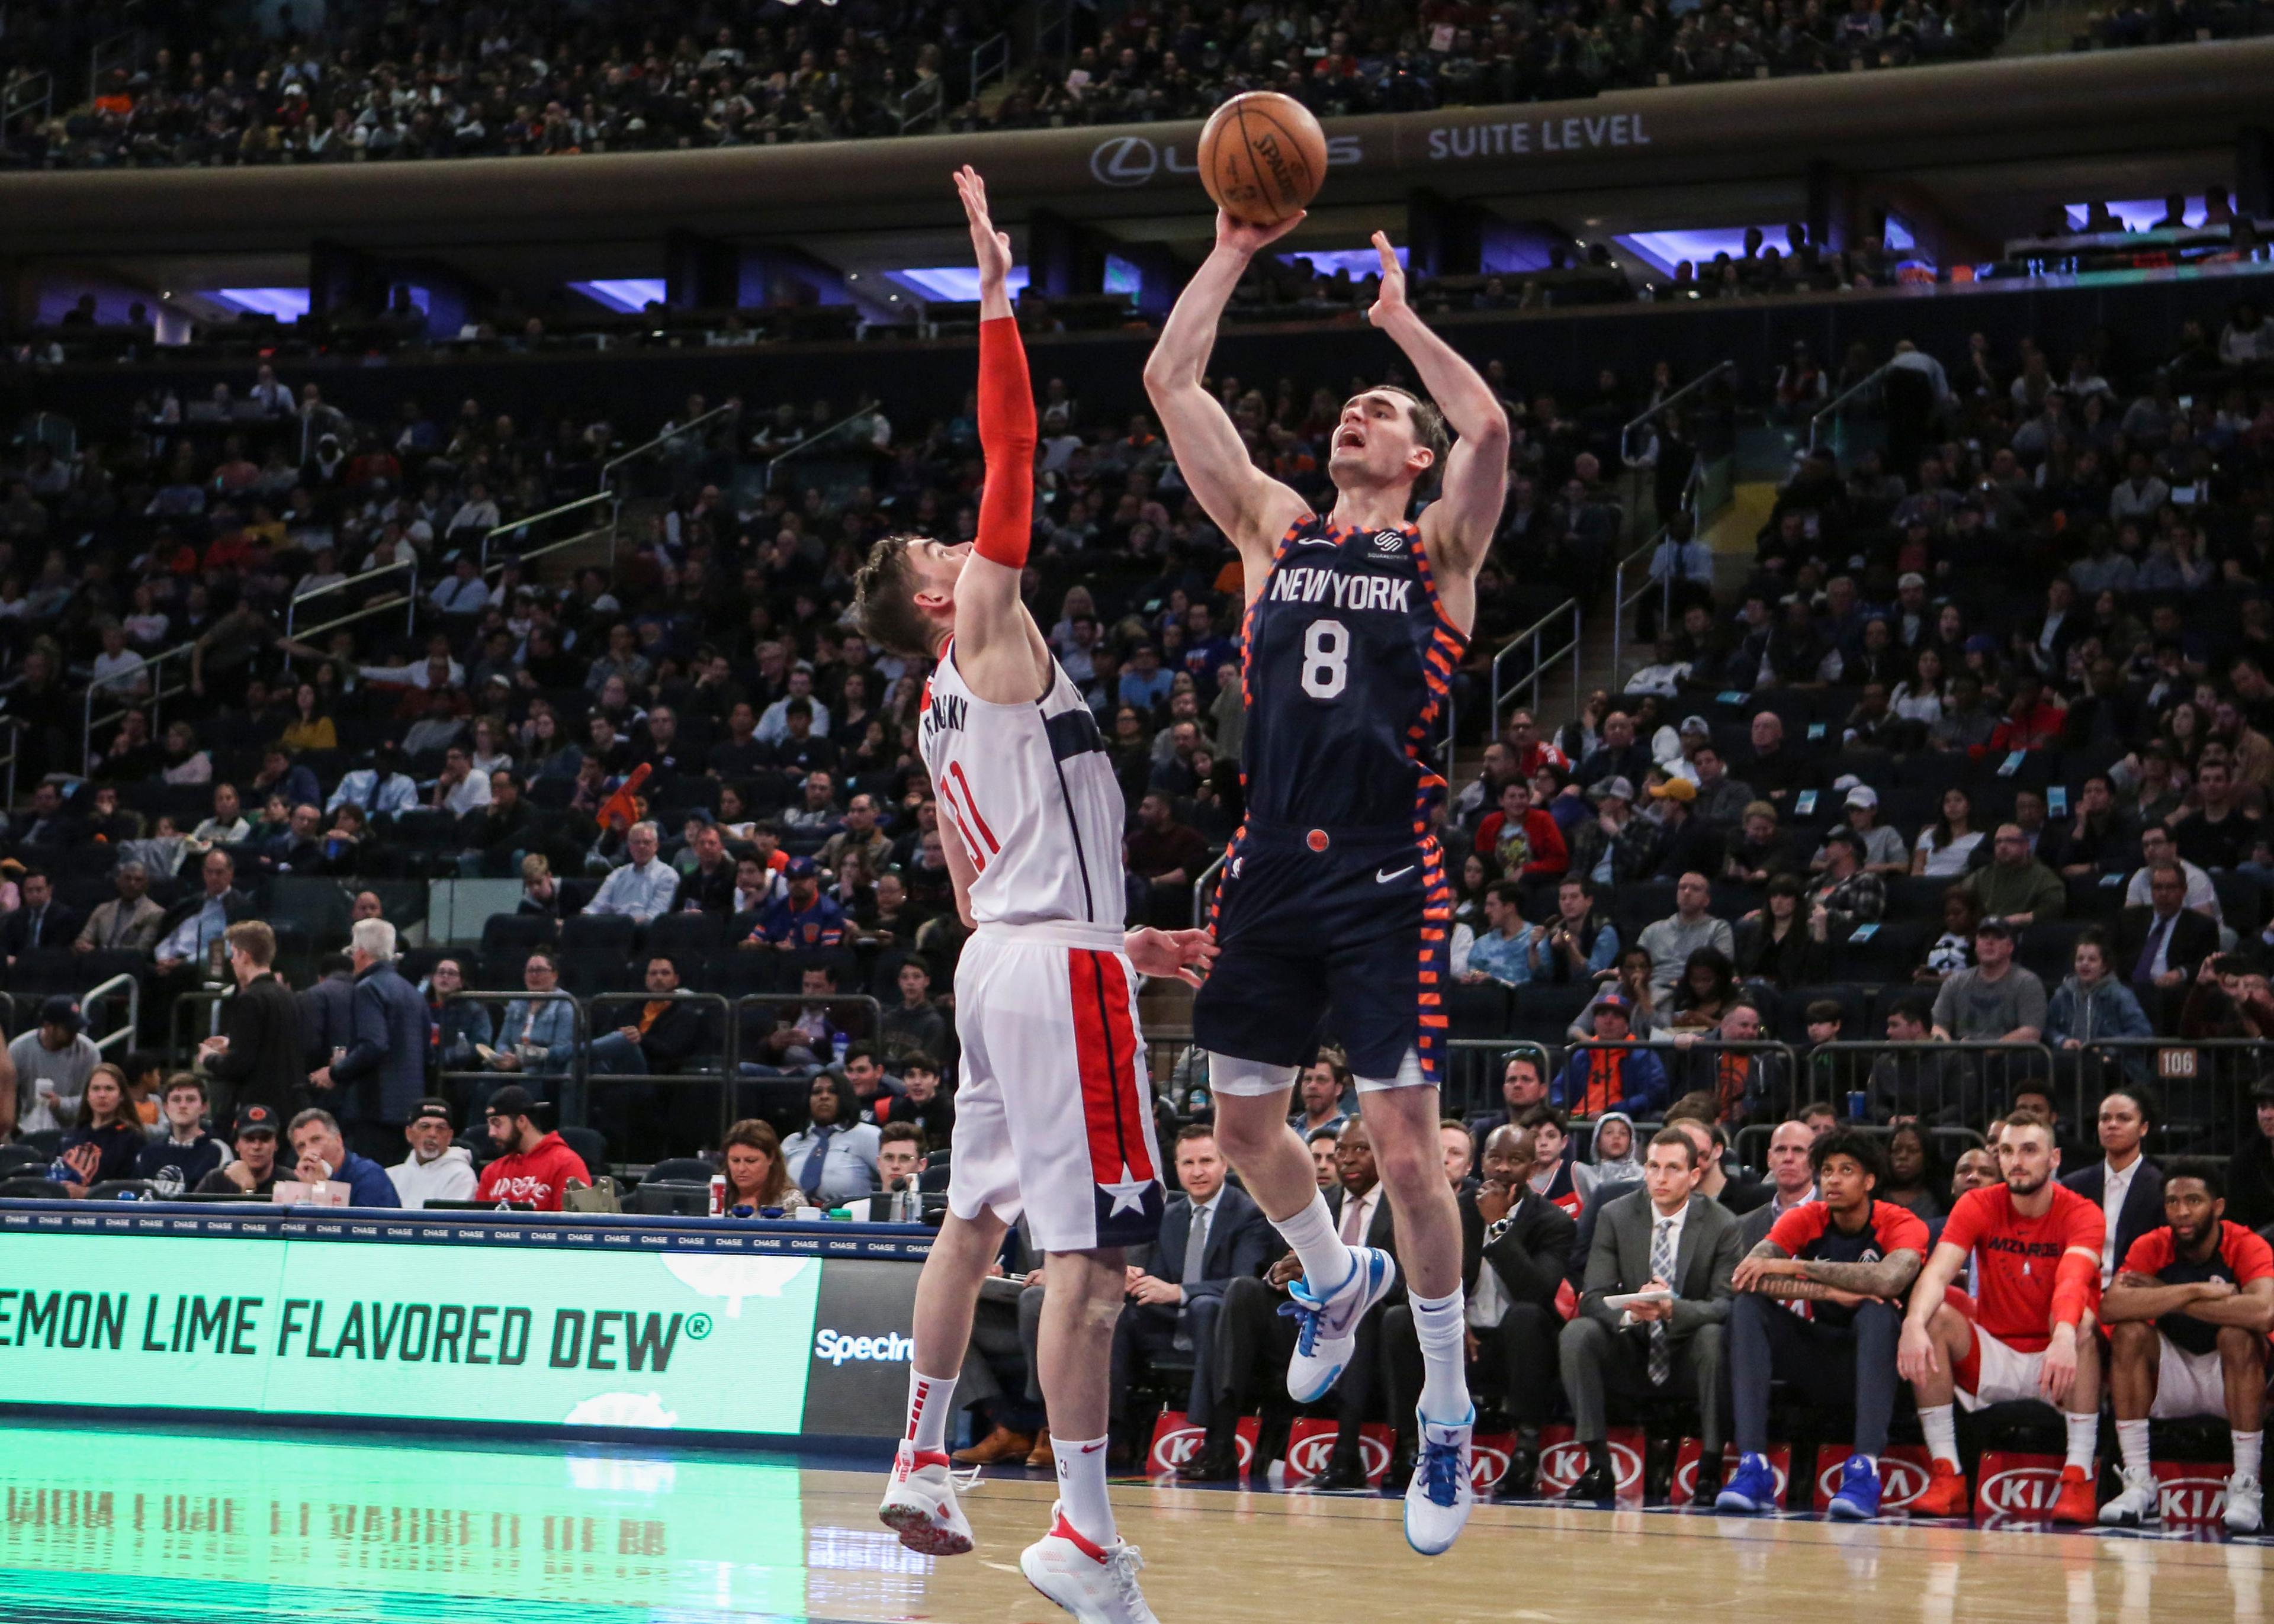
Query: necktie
column 1351, row 1233
column 808, row 1177
column 2144, row 972
column 1195, row 1249
column 32, row 937
column 1661, row 1268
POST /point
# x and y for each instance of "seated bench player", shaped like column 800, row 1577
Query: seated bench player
column 2188, row 1317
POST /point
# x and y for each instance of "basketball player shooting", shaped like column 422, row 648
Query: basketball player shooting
column 1334, row 891
column 1053, row 1114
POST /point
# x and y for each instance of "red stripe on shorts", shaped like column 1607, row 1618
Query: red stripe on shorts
column 1105, row 1047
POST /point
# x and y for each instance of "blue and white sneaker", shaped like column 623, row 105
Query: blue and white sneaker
column 1437, row 1501
column 1754, row 1490
column 1858, row 1499
column 1325, row 1327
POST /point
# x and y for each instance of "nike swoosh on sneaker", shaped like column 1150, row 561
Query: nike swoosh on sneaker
column 1381, row 878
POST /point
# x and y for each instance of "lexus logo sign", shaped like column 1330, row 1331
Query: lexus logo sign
column 1134, row 160
column 1125, row 161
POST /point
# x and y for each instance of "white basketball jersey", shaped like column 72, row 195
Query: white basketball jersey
column 1032, row 798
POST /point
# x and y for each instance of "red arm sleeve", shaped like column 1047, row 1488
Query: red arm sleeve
column 1006, row 439
column 2076, row 1286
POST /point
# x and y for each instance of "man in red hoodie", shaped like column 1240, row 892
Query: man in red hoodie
column 538, row 1165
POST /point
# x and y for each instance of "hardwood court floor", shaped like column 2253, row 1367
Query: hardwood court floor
column 148, row 1525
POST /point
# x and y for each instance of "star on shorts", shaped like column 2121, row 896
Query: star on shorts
column 1128, row 1195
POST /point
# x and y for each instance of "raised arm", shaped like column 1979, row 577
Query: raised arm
column 999, row 650
column 1456, row 527
column 1249, row 506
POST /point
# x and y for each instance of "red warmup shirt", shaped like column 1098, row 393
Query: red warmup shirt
column 537, row 1175
column 2018, row 1260
column 2240, row 1258
column 1807, row 1232
column 1539, row 849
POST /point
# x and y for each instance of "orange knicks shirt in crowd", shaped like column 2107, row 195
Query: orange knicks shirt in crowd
column 2016, row 1257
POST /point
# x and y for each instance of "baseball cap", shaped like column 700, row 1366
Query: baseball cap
column 799, row 868
column 59, row 1010
column 1675, row 789
column 1862, row 796
column 1615, row 1000
column 2264, row 1090
column 254, row 1119
column 512, row 1100
column 1911, row 577
column 1696, row 725
column 1607, row 788
column 438, row 1110
column 1995, row 925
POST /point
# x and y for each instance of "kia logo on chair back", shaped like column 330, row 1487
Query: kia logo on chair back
column 1307, row 1457
column 1179, row 1446
column 2022, row 1491
column 2193, row 1500
column 1900, row 1482
column 1561, row 1465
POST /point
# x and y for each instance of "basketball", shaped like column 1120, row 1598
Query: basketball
column 1262, row 157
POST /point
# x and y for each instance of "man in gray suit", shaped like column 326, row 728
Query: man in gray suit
column 1211, row 1234
column 1663, row 1236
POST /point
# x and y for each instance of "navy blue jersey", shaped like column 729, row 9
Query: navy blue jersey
column 1348, row 657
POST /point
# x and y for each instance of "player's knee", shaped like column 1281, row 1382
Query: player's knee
column 1948, row 1326
column 1407, row 1167
column 2240, row 1347
column 2131, row 1338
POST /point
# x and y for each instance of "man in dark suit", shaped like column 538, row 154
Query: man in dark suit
column 1663, row 1237
column 1254, row 1340
column 1515, row 1246
column 259, row 1060
column 2160, row 947
column 41, row 922
column 1211, row 1235
column 375, row 1085
column 2126, row 1187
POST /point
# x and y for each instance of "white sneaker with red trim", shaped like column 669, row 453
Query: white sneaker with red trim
column 919, row 1503
column 1096, row 1583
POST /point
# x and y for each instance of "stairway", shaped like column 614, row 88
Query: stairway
column 2048, row 27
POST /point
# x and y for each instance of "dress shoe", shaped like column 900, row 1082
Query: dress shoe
column 1596, row 1486
column 1400, row 1474
column 1522, row 1477
column 1344, row 1471
column 997, row 1446
column 1708, row 1488
column 1042, row 1454
column 1216, row 1462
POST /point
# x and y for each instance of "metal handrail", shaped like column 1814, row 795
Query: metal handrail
column 718, row 1070
column 1682, row 1046
column 159, row 694
column 1621, row 599
column 1530, row 636
column 410, row 600
column 920, row 102
column 668, row 435
column 132, row 987
column 512, row 526
column 866, row 409
column 2190, row 1075
column 990, row 60
column 1200, row 891
column 15, row 724
column 1458, row 1082
column 1652, row 413
column 573, row 1079
column 1837, row 404
column 32, row 91
column 2020, row 1061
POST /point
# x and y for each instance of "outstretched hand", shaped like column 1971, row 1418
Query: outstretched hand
column 1245, row 238
column 990, row 247
column 1390, row 302
column 1183, row 954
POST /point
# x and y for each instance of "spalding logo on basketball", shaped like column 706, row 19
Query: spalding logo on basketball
column 1179, row 1446
column 1307, row 1457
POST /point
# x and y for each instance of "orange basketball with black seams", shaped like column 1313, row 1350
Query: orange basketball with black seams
column 1262, row 157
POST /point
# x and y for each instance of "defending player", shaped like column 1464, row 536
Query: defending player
column 2029, row 1334
column 2188, row 1317
column 1333, row 891
column 1053, row 1114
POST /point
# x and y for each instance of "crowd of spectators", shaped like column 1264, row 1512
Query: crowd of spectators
column 1970, row 762
column 373, row 83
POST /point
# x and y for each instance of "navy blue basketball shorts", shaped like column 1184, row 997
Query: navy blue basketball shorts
column 1317, row 925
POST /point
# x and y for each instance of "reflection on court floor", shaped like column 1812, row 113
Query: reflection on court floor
column 166, row 1526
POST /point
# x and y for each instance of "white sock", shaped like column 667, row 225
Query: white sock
column 1939, row 1423
column 1081, row 1488
column 2083, row 1437
column 932, row 1401
column 2246, row 1448
column 1326, row 1261
column 1437, row 1327
column 2132, row 1439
